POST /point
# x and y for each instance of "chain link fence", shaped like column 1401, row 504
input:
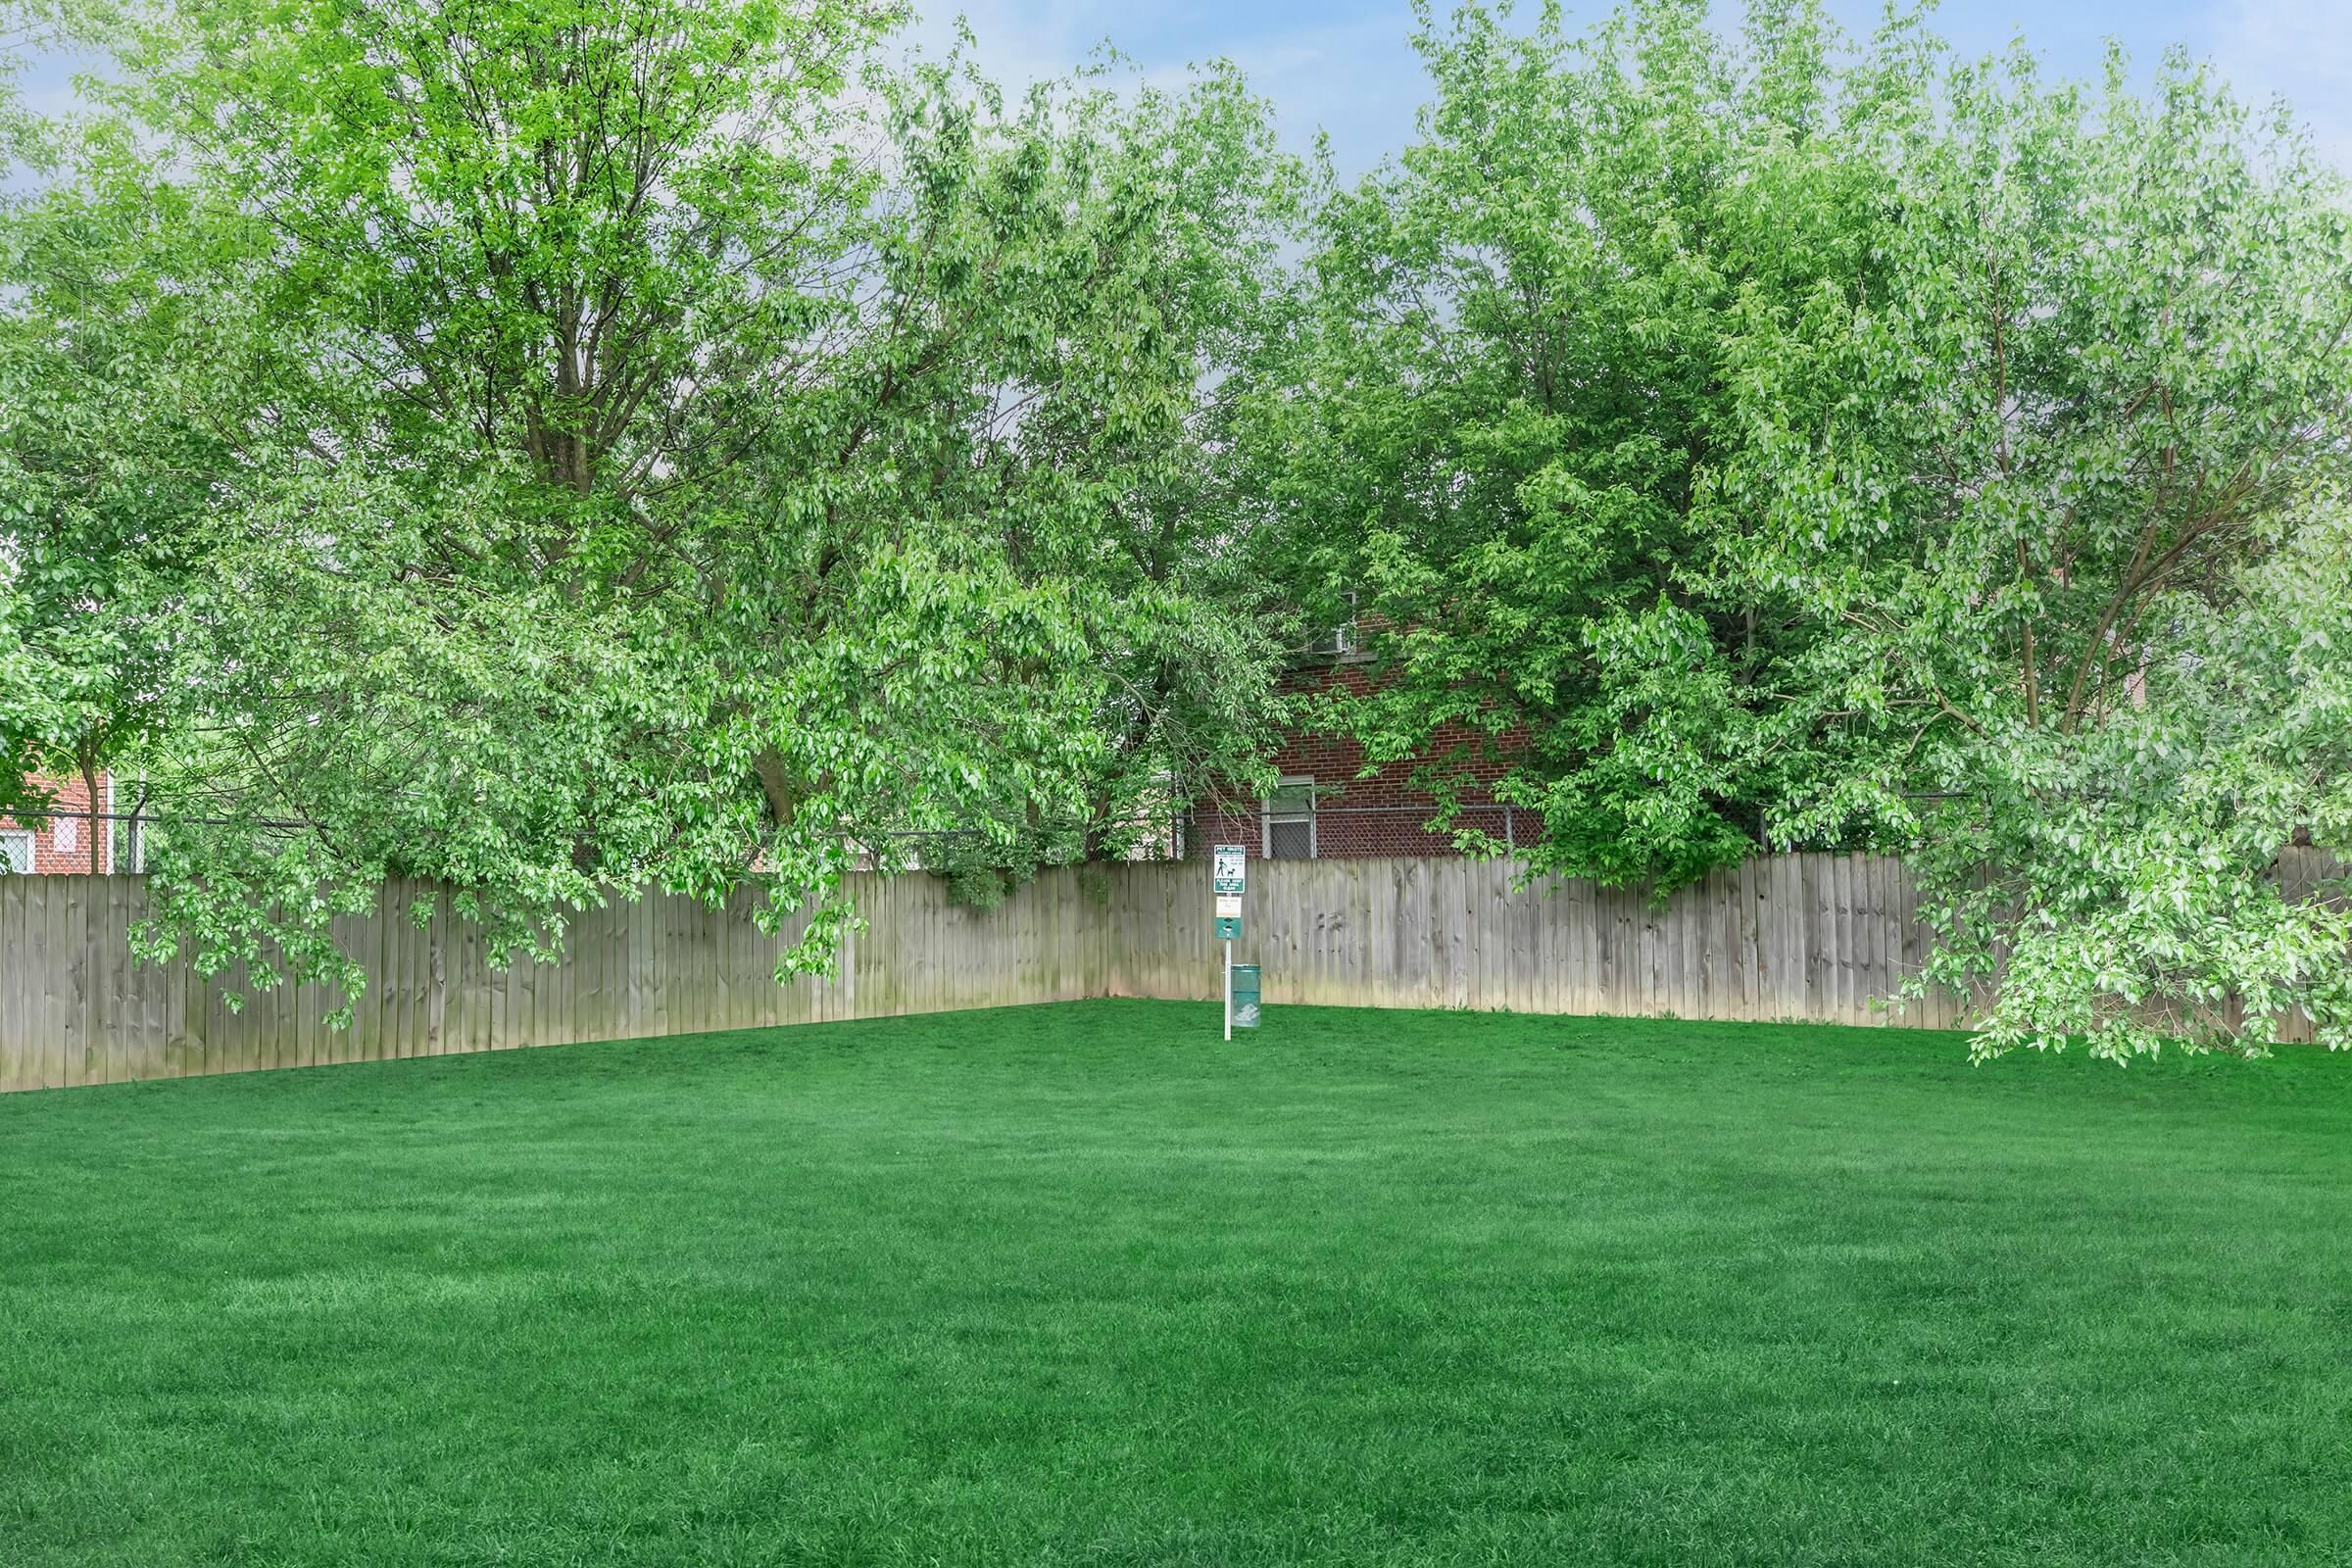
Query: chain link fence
column 1348, row 832
column 58, row 840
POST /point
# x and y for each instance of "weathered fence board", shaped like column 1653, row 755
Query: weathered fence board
column 1818, row 937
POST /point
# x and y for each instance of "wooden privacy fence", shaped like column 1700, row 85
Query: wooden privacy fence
column 75, row 1007
column 1819, row 936
column 1823, row 938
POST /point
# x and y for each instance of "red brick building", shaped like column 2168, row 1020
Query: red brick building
column 1322, row 810
column 62, row 843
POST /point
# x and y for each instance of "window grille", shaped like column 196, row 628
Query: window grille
column 1291, row 819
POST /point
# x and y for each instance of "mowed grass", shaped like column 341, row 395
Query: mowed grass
column 1083, row 1284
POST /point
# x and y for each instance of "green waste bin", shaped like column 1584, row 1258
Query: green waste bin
column 1244, row 996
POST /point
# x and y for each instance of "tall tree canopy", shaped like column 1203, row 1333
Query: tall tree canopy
column 106, row 480
column 658, row 444
column 559, row 449
column 1762, row 440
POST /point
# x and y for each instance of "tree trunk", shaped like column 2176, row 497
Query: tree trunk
column 782, row 799
column 100, row 827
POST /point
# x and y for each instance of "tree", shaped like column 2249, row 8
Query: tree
column 556, row 450
column 86, row 548
column 2129, row 879
column 666, row 448
column 103, row 483
column 1495, row 423
column 2062, row 490
column 1770, row 442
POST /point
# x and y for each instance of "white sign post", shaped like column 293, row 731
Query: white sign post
column 1228, row 867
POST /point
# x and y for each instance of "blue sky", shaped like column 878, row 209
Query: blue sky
column 1346, row 68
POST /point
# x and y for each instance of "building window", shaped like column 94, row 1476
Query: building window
column 1291, row 819
column 67, row 839
column 1341, row 642
column 15, row 852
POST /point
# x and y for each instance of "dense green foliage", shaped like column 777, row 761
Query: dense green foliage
column 1074, row 1284
column 655, row 445
column 1508, row 390
column 1756, row 442
column 106, row 480
column 559, row 449
column 102, row 475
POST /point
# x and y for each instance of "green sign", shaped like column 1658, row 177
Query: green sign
column 1229, row 866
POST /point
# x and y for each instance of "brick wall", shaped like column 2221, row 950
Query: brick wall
column 1364, row 816
column 1341, row 833
column 62, row 845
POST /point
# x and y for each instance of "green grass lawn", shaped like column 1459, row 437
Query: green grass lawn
column 1082, row 1284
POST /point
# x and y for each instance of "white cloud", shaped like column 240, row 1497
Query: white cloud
column 1356, row 79
column 2301, row 49
column 1359, row 81
column 1019, row 41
